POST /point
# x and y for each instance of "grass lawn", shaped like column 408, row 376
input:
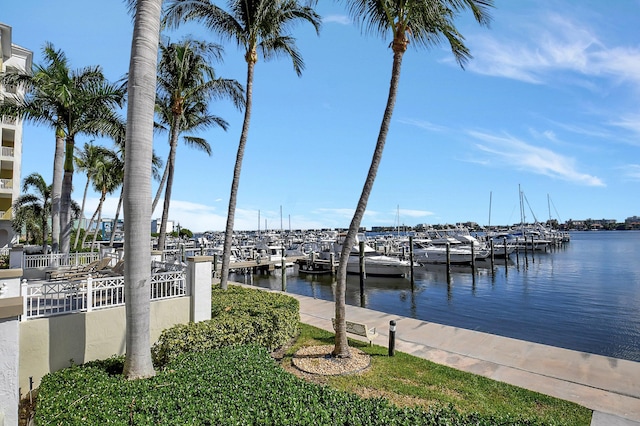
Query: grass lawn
column 243, row 385
column 406, row 380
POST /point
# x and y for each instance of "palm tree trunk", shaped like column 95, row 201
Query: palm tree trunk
column 341, row 348
column 171, row 163
column 65, row 197
column 84, row 199
column 228, row 234
column 115, row 220
column 91, row 221
column 56, row 190
column 137, row 187
column 99, row 210
column 160, row 187
column 45, row 231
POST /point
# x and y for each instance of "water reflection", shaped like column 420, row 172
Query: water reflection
column 584, row 296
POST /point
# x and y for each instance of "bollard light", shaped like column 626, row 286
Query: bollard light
column 392, row 337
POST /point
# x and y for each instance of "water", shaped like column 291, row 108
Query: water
column 584, row 296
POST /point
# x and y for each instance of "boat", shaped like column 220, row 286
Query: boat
column 375, row 264
column 378, row 265
column 424, row 253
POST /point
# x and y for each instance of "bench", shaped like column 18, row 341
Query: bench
column 359, row 329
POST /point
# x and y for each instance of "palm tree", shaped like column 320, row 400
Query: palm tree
column 106, row 177
column 92, row 112
column 186, row 84
column 256, row 25
column 425, row 24
column 35, row 206
column 86, row 161
column 39, row 106
column 137, row 182
column 25, row 220
column 72, row 102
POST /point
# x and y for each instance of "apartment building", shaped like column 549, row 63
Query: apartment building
column 14, row 57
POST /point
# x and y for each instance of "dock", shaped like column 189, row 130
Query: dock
column 258, row 266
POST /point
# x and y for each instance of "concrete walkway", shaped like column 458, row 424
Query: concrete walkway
column 608, row 386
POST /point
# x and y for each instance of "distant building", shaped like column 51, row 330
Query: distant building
column 12, row 57
column 591, row 224
column 632, row 222
column 107, row 228
column 157, row 223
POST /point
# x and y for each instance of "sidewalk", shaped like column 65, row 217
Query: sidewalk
column 610, row 387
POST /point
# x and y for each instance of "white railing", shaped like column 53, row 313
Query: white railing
column 158, row 266
column 7, row 151
column 165, row 285
column 32, row 261
column 55, row 298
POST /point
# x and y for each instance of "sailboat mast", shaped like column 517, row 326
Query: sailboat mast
column 490, row 198
column 522, row 217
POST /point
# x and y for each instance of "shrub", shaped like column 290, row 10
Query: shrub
column 229, row 386
column 238, row 316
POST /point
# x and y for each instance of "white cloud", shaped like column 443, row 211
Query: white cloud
column 200, row 217
column 342, row 213
column 630, row 122
column 515, row 153
column 338, row 19
column 415, row 213
column 194, row 216
column 552, row 44
column 631, row 171
column 425, row 125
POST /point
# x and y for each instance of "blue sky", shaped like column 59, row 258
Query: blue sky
column 549, row 103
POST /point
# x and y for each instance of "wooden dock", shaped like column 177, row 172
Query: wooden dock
column 259, row 265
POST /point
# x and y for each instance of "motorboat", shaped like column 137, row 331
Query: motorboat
column 379, row 265
column 460, row 254
column 375, row 264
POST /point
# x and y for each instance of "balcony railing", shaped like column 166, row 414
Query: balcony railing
column 7, row 151
column 9, row 120
column 6, row 184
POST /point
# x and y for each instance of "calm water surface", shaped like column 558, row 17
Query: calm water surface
column 584, row 296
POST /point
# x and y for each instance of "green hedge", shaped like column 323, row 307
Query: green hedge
column 239, row 316
column 240, row 385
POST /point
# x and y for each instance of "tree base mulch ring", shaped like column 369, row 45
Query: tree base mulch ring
column 318, row 360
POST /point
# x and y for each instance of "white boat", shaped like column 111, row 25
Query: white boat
column 425, row 252
column 379, row 265
column 375, row 264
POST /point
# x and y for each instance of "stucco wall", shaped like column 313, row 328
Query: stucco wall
column 49, row 344
column 8, row 369
column 10, row 308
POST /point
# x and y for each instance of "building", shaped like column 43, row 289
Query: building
column 12, row 57
column 157, row 223
column 632, row 222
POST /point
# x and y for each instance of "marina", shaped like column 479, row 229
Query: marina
column 583, row 295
